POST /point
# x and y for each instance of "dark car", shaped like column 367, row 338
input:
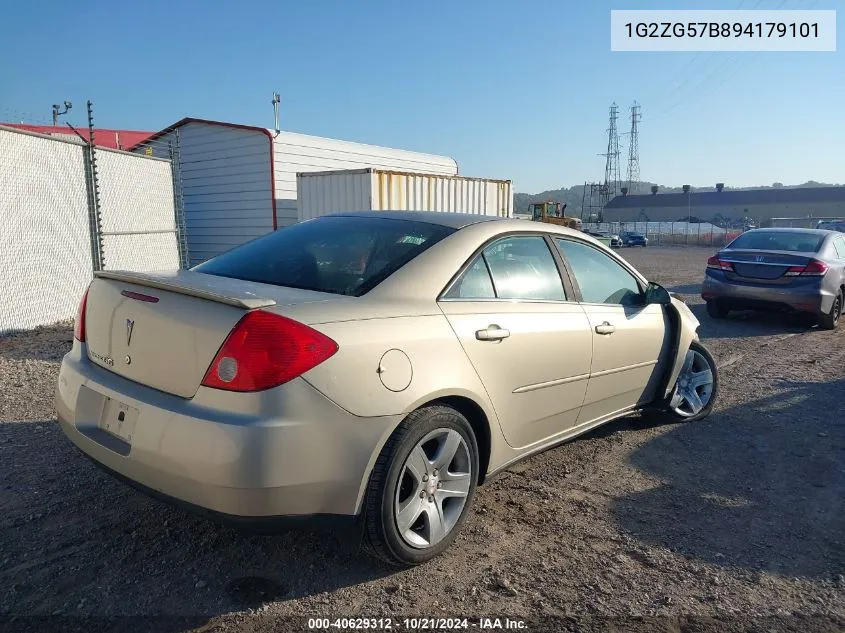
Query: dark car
column 632, row 238
column 794, row 270
column 832, row 225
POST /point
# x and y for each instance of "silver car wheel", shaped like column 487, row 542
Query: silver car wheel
column 432, row 488
column 694, row 387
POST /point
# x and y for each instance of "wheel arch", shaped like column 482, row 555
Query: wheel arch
column 479, row 422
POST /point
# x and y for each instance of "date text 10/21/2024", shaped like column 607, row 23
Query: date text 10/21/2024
column 417, row 624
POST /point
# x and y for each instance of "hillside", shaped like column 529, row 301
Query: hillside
column 574, row 195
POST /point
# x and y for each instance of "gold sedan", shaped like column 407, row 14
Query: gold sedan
column 370, row 366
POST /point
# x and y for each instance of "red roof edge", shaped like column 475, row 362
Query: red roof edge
column 102, row 137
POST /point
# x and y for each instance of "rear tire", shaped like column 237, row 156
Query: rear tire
column 409, row 518
column 717, row 309
column 697, row 384
column 830, row 320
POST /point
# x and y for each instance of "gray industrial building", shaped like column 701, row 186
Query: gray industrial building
column 760, row 206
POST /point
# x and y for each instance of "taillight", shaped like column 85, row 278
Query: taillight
column 79, row 323
column 266, row 350
column 717, row 264
column 814, row 268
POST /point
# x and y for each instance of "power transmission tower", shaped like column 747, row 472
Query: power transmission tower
column 591, row 203
column 634, row 151
column 611, row 167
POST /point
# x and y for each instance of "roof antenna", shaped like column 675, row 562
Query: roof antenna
column 276, row 100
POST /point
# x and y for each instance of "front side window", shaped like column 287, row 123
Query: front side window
column 339, row 255
column 600, row 278
column 519, row 267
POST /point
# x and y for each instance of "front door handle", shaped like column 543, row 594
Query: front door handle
column 492, row 333
column 605, row 328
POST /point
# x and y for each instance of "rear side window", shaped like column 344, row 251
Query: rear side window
column 839, row 245
column 520, row 267
column 475, row 283
column 798, row 241
column 338, row 255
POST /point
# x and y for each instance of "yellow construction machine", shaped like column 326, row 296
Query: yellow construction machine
column 552, row 212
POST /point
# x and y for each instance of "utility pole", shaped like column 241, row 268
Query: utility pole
column 611, row 167
column 634, row 150
column 56, row 113
column 276, row 101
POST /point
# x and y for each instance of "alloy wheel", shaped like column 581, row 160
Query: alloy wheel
column 694, row 387
column 432, row 489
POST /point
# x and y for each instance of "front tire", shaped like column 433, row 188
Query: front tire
column 697, row 386
column 830, row 320
column 421, row 487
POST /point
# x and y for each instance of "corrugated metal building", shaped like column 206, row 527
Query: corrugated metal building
column 239, row 182
column 758, row 204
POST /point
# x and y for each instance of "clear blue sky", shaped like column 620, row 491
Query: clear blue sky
column 511, row 89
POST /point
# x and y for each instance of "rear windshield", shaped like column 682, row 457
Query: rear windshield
column 338, row 255
column 797, row 241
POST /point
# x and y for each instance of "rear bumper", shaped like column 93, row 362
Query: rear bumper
column 808, row 297
column 286, row 452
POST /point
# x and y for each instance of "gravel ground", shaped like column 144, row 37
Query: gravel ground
column 739, row 517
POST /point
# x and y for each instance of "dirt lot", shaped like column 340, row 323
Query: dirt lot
column 739, row 517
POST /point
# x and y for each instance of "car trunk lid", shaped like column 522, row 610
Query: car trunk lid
column 765, row 266
column 163, row 330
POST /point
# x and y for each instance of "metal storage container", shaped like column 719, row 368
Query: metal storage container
column 326, row 192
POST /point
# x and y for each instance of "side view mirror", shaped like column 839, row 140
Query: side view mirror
column 655, row 293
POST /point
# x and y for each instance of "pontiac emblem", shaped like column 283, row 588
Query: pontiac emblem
column 129, row 325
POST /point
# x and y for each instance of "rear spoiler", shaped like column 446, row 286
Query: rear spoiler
column 244, row 300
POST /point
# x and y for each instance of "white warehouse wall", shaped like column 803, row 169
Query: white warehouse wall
column 294, row 153
column 230, row 192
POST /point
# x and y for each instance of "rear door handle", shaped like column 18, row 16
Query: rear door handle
column 605, row 328
column 492, row 333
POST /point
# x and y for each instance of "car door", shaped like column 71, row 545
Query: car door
column 839, row 253
column 629, row 336
column 528, row 339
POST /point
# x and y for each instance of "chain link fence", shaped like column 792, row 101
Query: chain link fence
column 704, row 234
column 69, row 208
